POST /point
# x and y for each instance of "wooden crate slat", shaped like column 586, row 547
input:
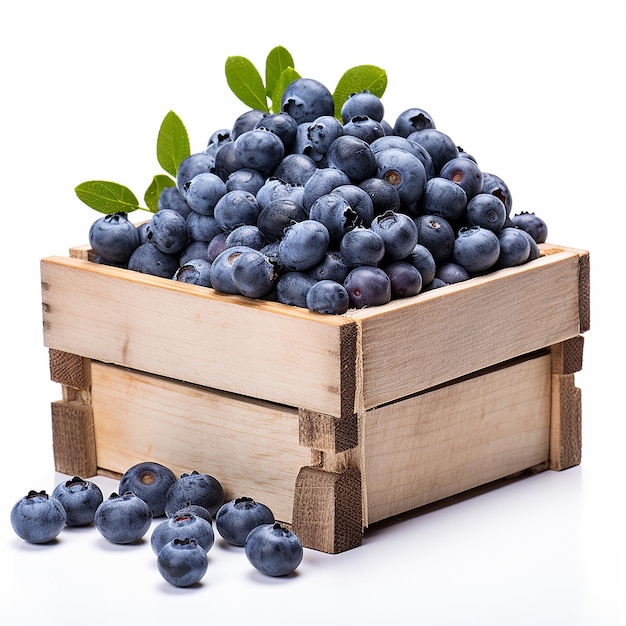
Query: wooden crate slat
column 250, row 446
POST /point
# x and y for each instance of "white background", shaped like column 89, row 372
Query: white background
column 535, row 91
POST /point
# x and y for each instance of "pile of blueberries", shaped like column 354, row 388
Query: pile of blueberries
column 307, row 210
column 190, row 505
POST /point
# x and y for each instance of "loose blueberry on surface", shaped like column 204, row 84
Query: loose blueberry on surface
column 80, row 499
column 123, row 519
column 38, row 518
column 180, row 526
column 274, row 550
column 182, row 562
column 236, row 518
column 194, row 488
column 197, row 510
column 149, row 481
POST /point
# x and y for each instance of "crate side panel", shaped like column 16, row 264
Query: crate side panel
column 456, row 437
column 250, row 446
column 189, row 333
column 463, row 328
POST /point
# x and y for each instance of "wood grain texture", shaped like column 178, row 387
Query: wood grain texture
column 255, row 348
column 249, row 445
column 566, row 425
column 73, row 439
column 69, row 369
column 455, row 437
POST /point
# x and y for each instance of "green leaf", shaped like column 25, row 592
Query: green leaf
column 278, row 60
column 246, row 83
column 172, row 143
column 356, row 79
column 288, row 75
column 107, row 197
column 158, row 184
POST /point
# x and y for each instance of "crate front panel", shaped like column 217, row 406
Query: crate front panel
column 250, row 446
column 456, row 437
column 251, row 347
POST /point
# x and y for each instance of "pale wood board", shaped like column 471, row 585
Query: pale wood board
column 250, row 446
column 468, row 326
column 451, row 439
column 251, row 347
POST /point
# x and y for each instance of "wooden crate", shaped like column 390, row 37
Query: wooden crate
column 335, row 422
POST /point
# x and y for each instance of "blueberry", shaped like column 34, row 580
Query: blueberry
column 197, row 510
column 383, row 194
column 226, row 161
column 359, row 200
column 203, row 191
column 282, row 125
column 476, row 249
column 450, row 273
column 123, row 519
column 246, row 121
column 439, row 145
column 328, row 296
column 276, row 189
column 182, row 562
column 38, row 517
column 333, row 266
column 334, row 212
column 412, row 120
column 277, row 216
column 194, row 488
column 80, row 499
column 236, row 518
column 532, row 224
column 364, row 127
column 436, row 234
column 362, row 103
column 245, row 179
column 486, row 210
column 148, row 259
column 322, row 182
column 362, row 246
column 514, row 247
column 180, row 526
column 535, row 252
column 171, row 198
column 292, row 287
column 216, row 245
column 194, row 272
column 273, row 549
column 221, row 273
column 398, row 231
column 168, row 231
column 322, row 131
column 465, row 173
column 202, row 227
column 405, row 172
column 444, row 198
column 367, row 286
column 303, row 245
column 114, row 238
column 191, row 166
column 422, row 259
column 217, row 139
column 306, row 99
column 249, row 235
column 259, row 149
column 253, row 274
column 235, row 208
column 405, row 278
column 353, row 156
column 494, row 185
column 295, row 169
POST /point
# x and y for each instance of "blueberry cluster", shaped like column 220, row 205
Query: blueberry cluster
column 313, row 211
column 181, row 541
